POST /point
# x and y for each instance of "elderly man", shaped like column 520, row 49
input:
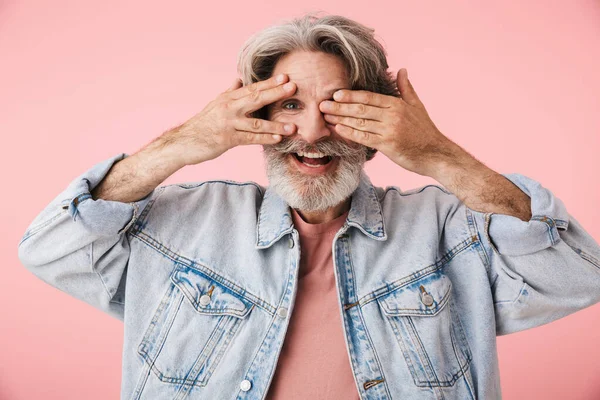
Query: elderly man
column 320, row 285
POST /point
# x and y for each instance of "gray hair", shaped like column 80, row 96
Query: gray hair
column 355, row 44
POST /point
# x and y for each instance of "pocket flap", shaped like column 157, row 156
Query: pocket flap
column 426, row 296
column 208, row 296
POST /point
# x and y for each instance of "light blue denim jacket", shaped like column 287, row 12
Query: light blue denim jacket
column 204, row 275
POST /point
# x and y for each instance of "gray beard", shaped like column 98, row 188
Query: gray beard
column 315, row 193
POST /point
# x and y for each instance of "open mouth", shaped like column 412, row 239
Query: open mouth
column 313, row 160
column 314, row 164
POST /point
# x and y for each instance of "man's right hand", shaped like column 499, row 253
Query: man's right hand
column 225, row 123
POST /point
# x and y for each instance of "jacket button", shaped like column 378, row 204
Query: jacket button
column 282, row 312
column 291, row 243
column 245, row 385
column 204, row 300
column 427, row 299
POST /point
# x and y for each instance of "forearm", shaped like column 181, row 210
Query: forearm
column 481, row 188
column 135, row 176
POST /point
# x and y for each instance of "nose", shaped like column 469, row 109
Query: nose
column 312, row 125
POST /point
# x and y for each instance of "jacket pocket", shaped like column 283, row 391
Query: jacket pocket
column 428, row 330
column 192, row 328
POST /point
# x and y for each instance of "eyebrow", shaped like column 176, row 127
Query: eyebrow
column 329, row 92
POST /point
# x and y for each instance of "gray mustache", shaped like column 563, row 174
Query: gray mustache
column 330, row 147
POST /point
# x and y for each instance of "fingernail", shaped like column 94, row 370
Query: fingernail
column 288, row 86
column 288, row 128
column 279, row 78
column 276, row 137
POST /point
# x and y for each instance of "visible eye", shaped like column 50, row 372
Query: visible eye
column 285, row 105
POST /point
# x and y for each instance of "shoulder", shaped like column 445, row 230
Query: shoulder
column 425, row 204
column 427, row 194
column 214, row 195
column 213, row 188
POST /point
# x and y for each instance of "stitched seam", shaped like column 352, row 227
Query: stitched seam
column 379, row 211
column 248, row 373
column 235, row 312
column 138, row 225
column 515, row 299
column 224, row 181
column 413, row 191
column 366, row 332
column 418, row 312
column 131, row 220
column 587, row 257
column 91, row 246
column 346, row 328
column 476, row 236
column 549, row 225
column 174, row 256
column 423, row 355
column 417, row 275
column 486, row 231
column 35, row 229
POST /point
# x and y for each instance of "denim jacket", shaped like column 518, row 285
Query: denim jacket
column 204, row 276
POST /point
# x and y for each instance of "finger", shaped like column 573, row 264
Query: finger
column 364, row 97
column 235, row 85
column 407, row 91
column 366, row 138
column 353, row 109
column 260, row 98
column 362, row 124
column 272, row 82
column 244, row 137
column 258, row 125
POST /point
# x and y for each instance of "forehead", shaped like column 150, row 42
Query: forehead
column 310, row 70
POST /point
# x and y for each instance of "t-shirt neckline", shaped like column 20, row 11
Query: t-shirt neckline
column 307, row 229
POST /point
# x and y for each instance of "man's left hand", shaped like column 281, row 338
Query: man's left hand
column 400, row 128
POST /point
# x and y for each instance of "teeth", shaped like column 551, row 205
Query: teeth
column 311, row 155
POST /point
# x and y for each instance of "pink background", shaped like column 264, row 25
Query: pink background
column 516, row 84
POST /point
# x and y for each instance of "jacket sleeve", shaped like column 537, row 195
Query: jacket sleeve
column 540, row 270
column 79, row 245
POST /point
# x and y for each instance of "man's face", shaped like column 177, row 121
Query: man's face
column 314, row 169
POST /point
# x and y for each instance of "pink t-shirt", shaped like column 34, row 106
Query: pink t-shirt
column 314, row 362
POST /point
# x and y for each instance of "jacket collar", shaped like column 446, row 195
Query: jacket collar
column 275, row 218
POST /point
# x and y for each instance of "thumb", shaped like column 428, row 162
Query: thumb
column 406, row 89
